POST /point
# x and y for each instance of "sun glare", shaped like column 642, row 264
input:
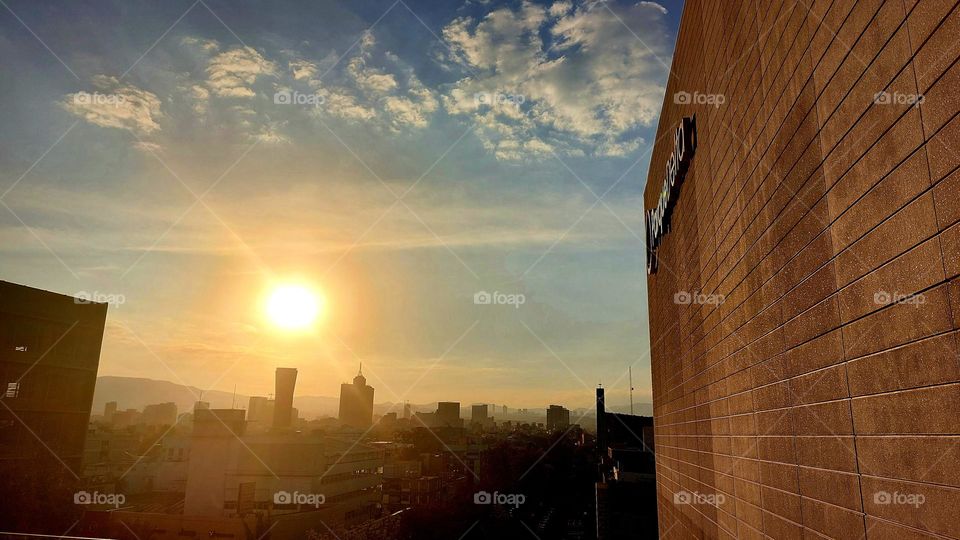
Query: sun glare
column 293, row 306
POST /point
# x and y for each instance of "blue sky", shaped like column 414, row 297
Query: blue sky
column 401, row 157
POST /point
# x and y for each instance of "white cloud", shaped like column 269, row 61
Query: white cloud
column 302, row 69
column 405, row 112
column 201, row 99
column 231, row 73
column 393, row 100
column 116, row 105
column 559, row 9
column 371, row 80
column 587, row 87
column 148, row 146
column 271, row 133
column 344, row 105
column 205, row 45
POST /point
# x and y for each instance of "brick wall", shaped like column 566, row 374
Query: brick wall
column 812, row 389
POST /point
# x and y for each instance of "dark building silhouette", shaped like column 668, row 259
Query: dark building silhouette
column 49, row 354
column 260, row 411
column 109, row 410
column 159, row 414
column 448, row 414
column 283, row 407
column 601, row 414
column 479, row 414
column 626, row 490
column 558, row 417
column 356, row 402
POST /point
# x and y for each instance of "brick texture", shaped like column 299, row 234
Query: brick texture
column 818, row 394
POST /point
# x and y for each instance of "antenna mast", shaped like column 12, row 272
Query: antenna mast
column 631, row 389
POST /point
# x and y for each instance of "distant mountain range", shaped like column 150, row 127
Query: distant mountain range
column 135, row 393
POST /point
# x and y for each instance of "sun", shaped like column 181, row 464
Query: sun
column 294, row 307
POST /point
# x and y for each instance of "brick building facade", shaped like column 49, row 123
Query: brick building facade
column 805, row 309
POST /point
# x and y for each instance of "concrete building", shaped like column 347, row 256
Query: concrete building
column 260, row 413
column 425, row 419
column 108, row 411
column 49, row 358
column 448, row 414
column 405, row 486
column 356, row 402
column 478, row 414
column 108, row 454
column 232, row 473
column 805, row 290
column 159, row 414
column 558, row 418
column 161, row 470
column 125, row 419
column 49, row 354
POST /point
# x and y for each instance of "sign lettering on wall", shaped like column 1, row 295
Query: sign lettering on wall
column 658, row 219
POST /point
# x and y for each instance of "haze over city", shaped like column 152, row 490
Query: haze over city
column 474, row 269
column 448, row 149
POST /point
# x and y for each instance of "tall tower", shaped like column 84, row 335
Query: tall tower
column 356, row 402
column 286, row 380
column 601, row 422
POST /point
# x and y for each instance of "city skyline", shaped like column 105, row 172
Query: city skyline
column 431, row 173
column 422, row 269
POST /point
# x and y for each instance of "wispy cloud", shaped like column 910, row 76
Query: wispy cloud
column 231, row 73
column 116, row 105
column 559, row 78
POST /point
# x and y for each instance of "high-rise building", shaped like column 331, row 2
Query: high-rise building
column 406, row 410
column 260, row 411
column 159, row 414
column 558, row 418
column 479, row 414
column 356, row 402
column 286, row 382
column 601, row 421
column 49, row 354
column 108, row 411
column 448, row 414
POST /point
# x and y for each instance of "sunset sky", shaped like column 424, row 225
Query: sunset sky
column 183, row 158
